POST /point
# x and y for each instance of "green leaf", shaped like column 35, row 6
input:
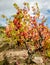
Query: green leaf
column 14, row 15
column 48, row 53
column 16, row 6
column 3, row 16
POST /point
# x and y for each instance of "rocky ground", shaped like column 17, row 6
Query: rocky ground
column 20, row 56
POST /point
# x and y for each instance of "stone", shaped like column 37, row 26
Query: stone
column 38, row 60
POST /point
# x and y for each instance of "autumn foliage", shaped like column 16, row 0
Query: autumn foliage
column 25, row 27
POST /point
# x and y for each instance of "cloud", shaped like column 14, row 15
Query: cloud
column 6, row 6
column 44, row 5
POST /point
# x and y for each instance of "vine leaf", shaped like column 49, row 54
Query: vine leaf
column 16, row 6
column 3, row 16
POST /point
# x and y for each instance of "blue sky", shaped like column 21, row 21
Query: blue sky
column 6, row 7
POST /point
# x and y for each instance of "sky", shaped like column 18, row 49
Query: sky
column 7, row 8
